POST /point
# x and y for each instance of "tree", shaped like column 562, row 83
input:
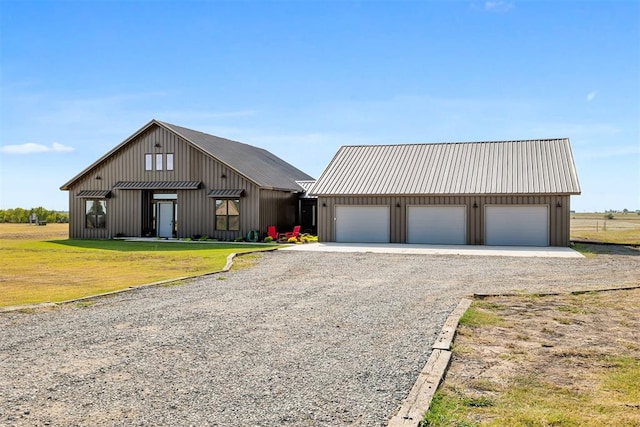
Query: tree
column 20, row 215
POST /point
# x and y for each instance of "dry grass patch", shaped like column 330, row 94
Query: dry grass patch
column 623, row 228
column 575, row 363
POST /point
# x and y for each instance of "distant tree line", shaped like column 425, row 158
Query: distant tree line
column 19, row 215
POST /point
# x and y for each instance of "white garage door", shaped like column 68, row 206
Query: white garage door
column 362, row 224
column 443, row 225
column 517, row 225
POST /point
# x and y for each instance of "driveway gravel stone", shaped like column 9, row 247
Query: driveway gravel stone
column 299, row 338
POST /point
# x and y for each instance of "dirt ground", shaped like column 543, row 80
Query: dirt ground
column 566, row 341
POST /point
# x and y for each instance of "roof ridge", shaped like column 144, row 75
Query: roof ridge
column 405, row 144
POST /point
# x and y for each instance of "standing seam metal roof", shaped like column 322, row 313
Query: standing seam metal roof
column 541, row 166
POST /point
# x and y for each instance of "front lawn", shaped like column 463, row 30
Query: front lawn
column 34, row 270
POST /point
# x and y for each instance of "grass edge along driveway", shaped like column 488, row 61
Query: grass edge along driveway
column 33, row 271
column 544, row 360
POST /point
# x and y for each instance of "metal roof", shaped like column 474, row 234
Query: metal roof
column 226, row 194
column 256, row 164
column 259, row 165
column 157, row 185
column 94, row 194
column 541, row 166
column 307, row 186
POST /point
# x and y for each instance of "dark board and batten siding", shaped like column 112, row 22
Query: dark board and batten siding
column 277, row 208
column 124, row 208
column 558, row 213
column 196, row 211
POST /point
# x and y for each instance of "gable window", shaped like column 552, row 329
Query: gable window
column 170, row 161
column 148, row 162
column 158, row 162
column 95, row 213
column 228, row 214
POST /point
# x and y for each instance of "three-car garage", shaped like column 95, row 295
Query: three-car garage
column 500, row 193
column 504, row 225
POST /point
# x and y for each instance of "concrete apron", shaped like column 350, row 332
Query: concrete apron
column 401, row 248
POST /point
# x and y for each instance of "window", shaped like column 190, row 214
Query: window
column 170, row 161
column 228, row 214
column 148, row 158
column 96, row 213
column 158, row 162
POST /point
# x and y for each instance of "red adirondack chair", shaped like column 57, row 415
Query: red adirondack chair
column 271, row 232
column 286, row 236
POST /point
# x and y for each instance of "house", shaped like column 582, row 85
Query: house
column 169, row 181
column 475, row 193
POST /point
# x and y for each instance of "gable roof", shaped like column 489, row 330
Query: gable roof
column 256, row 164
column 542, row 166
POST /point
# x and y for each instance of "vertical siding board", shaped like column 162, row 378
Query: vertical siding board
column 196, row 211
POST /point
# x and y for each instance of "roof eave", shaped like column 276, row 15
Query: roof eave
column 563, row 193
column 65, row 186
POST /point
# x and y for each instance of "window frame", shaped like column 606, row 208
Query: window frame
column 148, row 162
column 225, row 218
column 159, row 161
column 169, row 162
column 99, row 220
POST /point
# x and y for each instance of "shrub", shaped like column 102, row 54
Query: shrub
column 292, row 240
column 608, row 216
column 239, row 239
column 268, row 239
column 306, row 238
column 202, row 238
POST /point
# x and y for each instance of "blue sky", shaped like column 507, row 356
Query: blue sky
column 301, row 78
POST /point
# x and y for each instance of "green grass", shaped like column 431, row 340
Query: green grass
column 477, row 317
column 446, row 410
column 531, row 401
column 34, row 271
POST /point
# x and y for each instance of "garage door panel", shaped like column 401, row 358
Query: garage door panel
column 362, row 224
column 517, row 225
column 436, row 225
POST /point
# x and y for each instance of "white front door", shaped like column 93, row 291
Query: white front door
column 165, row 219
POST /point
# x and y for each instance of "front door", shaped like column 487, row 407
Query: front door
column 165, row 219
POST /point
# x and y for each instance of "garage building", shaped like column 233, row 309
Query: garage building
column 514, row 193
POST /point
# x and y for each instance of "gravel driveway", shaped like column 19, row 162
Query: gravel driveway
column 298, row 339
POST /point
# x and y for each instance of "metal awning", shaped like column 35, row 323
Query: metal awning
column 94, row 194
column 157, row 185
column 226, row 194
